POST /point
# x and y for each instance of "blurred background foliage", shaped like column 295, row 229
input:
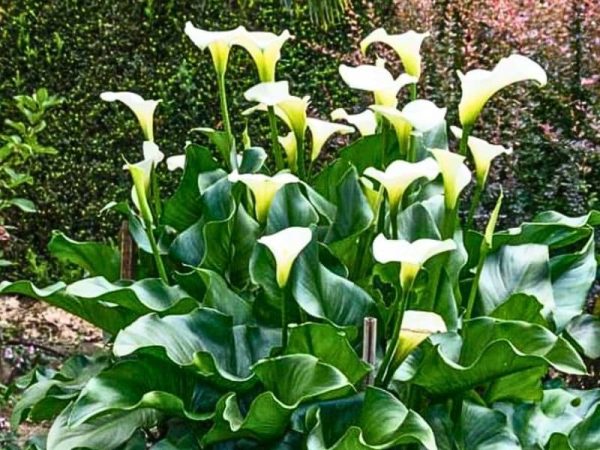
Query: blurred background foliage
column 77, row 49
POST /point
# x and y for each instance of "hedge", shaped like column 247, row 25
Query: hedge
column 78, row 49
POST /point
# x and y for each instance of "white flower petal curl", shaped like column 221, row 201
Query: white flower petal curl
column 143, row 109
column 455, row 173
column 321, row 131
column 264, row 48
column 365, row 122
column 285, row 246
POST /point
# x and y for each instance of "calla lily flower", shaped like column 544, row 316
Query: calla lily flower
column 416, row 327
column 483, row 154
column 406, row 45
column 421, row 115
column 264, row 48
column 455, row 173
column 321, row 131
column 411, row 255
column 290, row 147
column 269, row 93
column 478, row 86
column 365, row 122
column 175, row 162
column 263, row 188
column 376, row 79
column 285, row 246
column 143, row 109
column 374, row 197
column 140, row 174
column 399, row 175
column 219, row 43
column 152, row 152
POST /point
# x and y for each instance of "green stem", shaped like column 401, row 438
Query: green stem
column 394, row 221
column 301, row 159
column 449, row 223
column 474, row 286
column 412, row 150
column 456, row 415
column 155, row 194
column 274, row 141
column 226, row 122
column 154, row 246
column 385, row 373
column 464, row 139
column 287, row 293
column 384, row 131
column 362, row 252
column 475, row 199
column 413, row 91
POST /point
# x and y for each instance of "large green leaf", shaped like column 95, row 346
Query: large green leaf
column 141, row 297
column 481, row 429
column 490, row 349
column 584, row 332
column 572, row 277
column 184, row 208
column 50, row 393
column 330, row 345
column 109, row 317
column 95, row 258
column 215, row 293
column 316, row 289
column 549, row 228
column 205, row 341
column 290, row 208
column 564, row 419
column 381, row 422
column 289, row 381
column 376, row 150
column 521, row 269
column 103, row 433
column 144, row 383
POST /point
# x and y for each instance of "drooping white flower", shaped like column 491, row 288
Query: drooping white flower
column 219, row 43
column 411, row 255
column 483, row 154
column 455, row 173
column 264, row 48
column 285, row 246
column 365, row 122
column 321, row 131
column 290, row 147
column 143, row 109
column 399, row 175
column 406, row 45
column 175, row 162
column 269, row 93
column 416, row 327
column 479, row 85
column 263, row 188
column 140, row 174
column 376, row 79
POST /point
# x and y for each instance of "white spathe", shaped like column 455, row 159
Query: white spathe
column 423, row 115
column 416, row 327
column 263, row 188
column 269, row 93
column 406, row 45
column 291, row 110
column 264, row 48
column 141, row 175
column 399, row 175
column 151, row 151
column 455, row 173
column 365, row 122
column 290, row 147
column 143, row 109
column 321, row 131
column 175, row 162
column 376, row 79
column 411, row 255
column 479, row 85
column 285, row 246
column 219, row 43
column 483, row 154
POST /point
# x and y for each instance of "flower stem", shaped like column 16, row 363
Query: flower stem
column 301, row 159
column 413, row 91
column 385, row 372
column 394, row 221
column 287, row 294
column 473, row 292
column 226, row 122
column 476, row 198
column 464, row 139
column 155, row 252
column 274, row 140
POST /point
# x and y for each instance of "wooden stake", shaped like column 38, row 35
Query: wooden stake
column 370, row 347
column 127, row 252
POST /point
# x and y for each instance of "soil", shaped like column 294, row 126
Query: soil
column 32, row 333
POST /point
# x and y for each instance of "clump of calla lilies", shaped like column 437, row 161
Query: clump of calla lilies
column 257, row 275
